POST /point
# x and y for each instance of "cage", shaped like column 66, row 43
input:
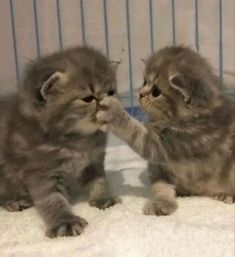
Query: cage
column 125, row 30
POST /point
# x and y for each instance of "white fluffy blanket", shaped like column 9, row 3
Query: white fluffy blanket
column 201, row 227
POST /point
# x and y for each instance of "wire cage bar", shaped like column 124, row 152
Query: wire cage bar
column 121, row 20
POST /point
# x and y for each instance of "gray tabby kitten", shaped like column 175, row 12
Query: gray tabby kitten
column 49, row 138
column 189, row 141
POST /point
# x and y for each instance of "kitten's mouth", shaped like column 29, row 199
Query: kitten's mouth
column 144, row 102
column 146, row 105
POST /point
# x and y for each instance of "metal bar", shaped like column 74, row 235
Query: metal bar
column 151, row 26
column 173, row 22
column 83, row 22
column 106, row 31
column 129, row 55
column 196, row 26
column 36, row 28
column 59, row 24
column 14, row 40
column 221, row 39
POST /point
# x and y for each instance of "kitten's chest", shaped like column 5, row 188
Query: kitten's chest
column 80, row 155
column 76, row 162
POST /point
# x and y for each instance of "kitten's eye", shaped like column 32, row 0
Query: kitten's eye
column 88, row 99
column 156, row 91
column 111, row 92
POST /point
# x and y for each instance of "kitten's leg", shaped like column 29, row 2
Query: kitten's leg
column 17, row 205
column 163, row 199
column 163, row 194
column 15, row 197
column 99, row 195
column 227, row 178
column 50, row 199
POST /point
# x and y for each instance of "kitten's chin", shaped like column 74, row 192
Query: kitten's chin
column 85, row 126
column 146, row 108
column 149, row 109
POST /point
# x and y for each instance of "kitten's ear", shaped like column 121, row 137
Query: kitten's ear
column 177, row 82
column 51, row 83
column 192, row 89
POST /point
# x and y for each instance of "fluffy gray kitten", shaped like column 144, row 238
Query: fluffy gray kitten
column 49, row 138
column 189, row 141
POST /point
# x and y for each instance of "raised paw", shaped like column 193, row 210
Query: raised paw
column 109, row 102
column 105, row 202
column 104, row 114
column 160, row 207
column 69, row 227
column 110, row 111
column 229, row 199
column 18, row 205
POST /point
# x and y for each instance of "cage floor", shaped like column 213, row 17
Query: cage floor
column 200, row 227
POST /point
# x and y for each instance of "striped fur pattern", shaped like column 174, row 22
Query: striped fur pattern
column 50, row 144
column 189, row 141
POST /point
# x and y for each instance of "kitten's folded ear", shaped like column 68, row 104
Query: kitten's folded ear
column 178, row 82
column 50, row 84
column 192, row 89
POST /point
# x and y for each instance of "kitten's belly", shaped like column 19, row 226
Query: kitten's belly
column 201, row 178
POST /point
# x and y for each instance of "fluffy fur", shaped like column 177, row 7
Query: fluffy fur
column 49, row 138
column 189, row 141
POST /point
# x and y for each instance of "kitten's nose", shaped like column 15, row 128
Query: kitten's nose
column 143, row 92
column 100, row 97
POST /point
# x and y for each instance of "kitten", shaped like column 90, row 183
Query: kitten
column 49, row 138
column 189, row 141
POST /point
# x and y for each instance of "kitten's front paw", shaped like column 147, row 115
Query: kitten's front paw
column 70, row 227
column 229, row 199
column 18, row 205
column 105, row 202
column 110, row 111
column 160, row 207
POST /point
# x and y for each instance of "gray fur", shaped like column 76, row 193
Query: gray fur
column 49, row 137
column 189, row 140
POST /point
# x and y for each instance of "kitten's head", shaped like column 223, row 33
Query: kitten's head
column 178, row 82
column 67, row 86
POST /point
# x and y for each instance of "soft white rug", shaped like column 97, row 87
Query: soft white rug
column 201, row 227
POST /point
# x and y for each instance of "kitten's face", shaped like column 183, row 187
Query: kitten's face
column 69, row 95
column 156, row 99
column 177, row 83
column 78, row 100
